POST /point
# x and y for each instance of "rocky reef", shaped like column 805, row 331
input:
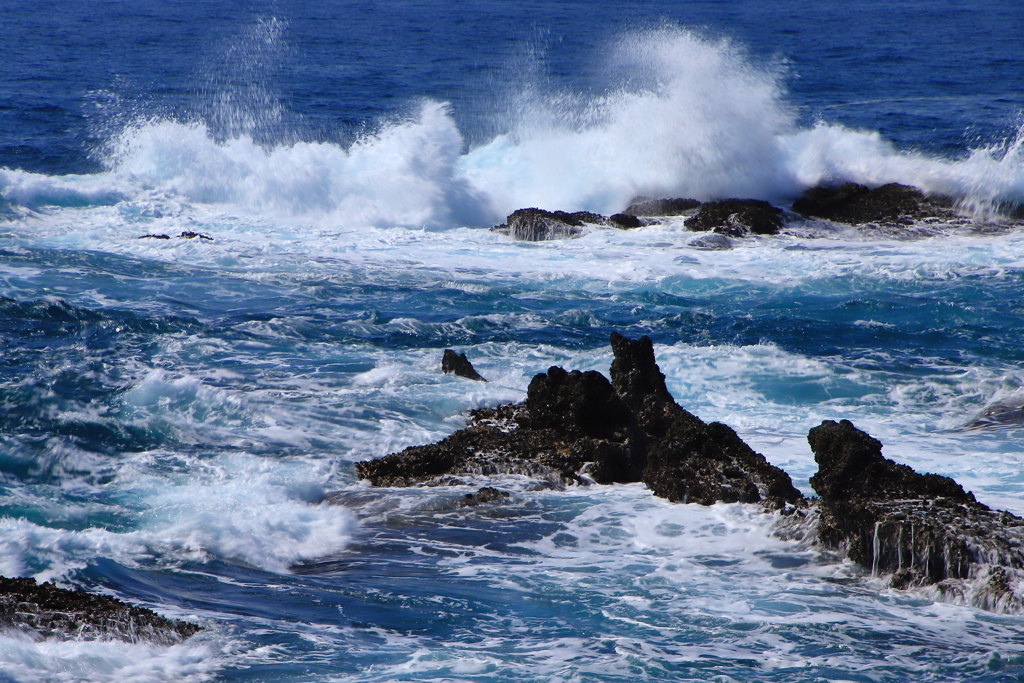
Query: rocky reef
column 47, row 611
column 579, row 427
column 891, row 206
column 921, row 529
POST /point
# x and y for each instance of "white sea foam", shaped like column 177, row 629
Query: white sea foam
column 240, row 508
column 24, row 659
column 671, row 590
column 688, row 116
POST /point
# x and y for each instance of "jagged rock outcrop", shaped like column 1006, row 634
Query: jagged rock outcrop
column 458, row 364
column 536, row 225
column 892, row 204
column 645, row 206
column 921, row 528
column 575, row 426
column 737, row 218
column 47, row 611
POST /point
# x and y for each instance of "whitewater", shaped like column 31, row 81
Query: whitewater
column 181, row 417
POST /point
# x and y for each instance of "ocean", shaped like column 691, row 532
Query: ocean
column 180, row 418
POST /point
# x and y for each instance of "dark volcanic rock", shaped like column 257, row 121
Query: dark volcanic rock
column 458, row 364
column 625, row 221
column 535, row 225
column 737, row 217
column 46, row 610
column 577, row 425
column 644, row 206
column 576, row 404
column 637, row 378
column 855, row 204
column 922, row 528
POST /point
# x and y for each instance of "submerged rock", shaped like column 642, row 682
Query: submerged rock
column 645, row 206
column 1008, row 412
column 46, row 610
column 921, row 528
column 856, row 204
column 458, row 364
column 536, row 225
column 579, row 426
column 483, row 496
column 190, row 235
column 186, row 234
column 712, row 242
column 737, row 217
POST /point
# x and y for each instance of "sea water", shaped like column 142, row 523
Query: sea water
column 180, row 417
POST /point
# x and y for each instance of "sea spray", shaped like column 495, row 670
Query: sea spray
column 401, row 175
column 691, row 117
column 682, row 115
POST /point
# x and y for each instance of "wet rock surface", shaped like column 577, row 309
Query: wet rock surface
column 645, row 206
column 458, row 364
column 921, row 528
column 45, row 610
column 484, row 496
column 579, row 426
column 625, row 221
column 712, row 242
column 856, row 204
column 737, row 218
column 536, row 225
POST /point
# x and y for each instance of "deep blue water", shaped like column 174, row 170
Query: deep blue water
column 179, row 419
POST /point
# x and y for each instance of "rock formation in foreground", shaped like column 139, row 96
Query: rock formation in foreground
column 577, row 426
column 922, row 528
column 45, row 610
column 918, row 529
